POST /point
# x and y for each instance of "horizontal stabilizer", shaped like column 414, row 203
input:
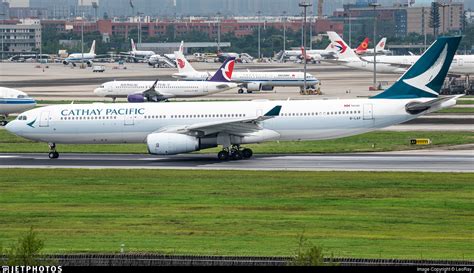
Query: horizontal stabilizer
column 415, row 108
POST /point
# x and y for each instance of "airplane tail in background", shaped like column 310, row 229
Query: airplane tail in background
column 425, row 78
column 224, row 73
column 381, row 45
column 183, row 65
column 134, row 48
column 342, row 50
column 181, row 47
column 92, row 48
column 362, row 48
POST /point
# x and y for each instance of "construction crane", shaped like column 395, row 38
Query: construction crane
column 320, row 8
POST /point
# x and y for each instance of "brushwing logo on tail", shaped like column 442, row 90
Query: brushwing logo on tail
column 421, row 81
column 341, row 47
column 227, row 70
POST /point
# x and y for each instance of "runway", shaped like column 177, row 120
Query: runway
column 411, row 161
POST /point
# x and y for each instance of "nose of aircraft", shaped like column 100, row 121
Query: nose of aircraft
column 11, row 127
column 99, row 91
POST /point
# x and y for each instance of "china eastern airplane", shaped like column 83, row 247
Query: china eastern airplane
column 153, row 91
column 13, row 101
column 183, row 127
column 252, row 81
column 79, row 57
column 462, row 64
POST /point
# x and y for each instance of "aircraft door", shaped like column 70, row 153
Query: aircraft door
column 461, row 62
column 259, row 112
column 44, row 119
column 129, row 120
column 368, row 111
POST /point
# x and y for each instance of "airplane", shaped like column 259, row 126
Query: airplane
column 462, row 64
column 79, row 57
column 138, row 54
column 13, row 101
column 154, row 91
column 183, row 127
column 165, row 60
column 250, row 80
column 380, row 47
column 313, row 55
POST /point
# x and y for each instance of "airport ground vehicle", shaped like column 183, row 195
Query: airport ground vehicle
column 98, row 68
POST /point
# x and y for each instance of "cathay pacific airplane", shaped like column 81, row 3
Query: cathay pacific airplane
column 250, row 80
column 183, row 127
column 13, row 101
column 141, row 91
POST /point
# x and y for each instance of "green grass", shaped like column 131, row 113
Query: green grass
column 460, row 110
column 351, row 214
column 464, row 102
column 375, row 141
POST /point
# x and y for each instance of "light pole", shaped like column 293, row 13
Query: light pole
column 284, row 31
column 218, row 32
column 311, row 31
column 375, row 5
column 139, row 28
column 350, row 28
column 82, row 41
column 304, row 5
column 258, row 13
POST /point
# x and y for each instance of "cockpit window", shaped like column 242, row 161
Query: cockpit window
column 21, row 96
column 102, row 86
column 21, row 118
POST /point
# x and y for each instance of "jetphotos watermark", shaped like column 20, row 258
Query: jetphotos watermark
column 31, row 269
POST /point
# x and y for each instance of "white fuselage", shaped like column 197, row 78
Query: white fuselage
column 133, row 122
column 263, row 78
column 79, row 57
column 168, row 89
column 14, row 101
column 141, row 54
column 462, row 64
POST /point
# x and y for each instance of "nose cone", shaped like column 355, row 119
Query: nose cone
column 12, row 127
column 99, row 92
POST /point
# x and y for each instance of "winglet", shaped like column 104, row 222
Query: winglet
column 274, row 112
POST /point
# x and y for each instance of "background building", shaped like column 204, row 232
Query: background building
column 23, row 36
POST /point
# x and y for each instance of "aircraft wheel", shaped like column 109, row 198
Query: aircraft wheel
column 3, row 123
column 53, row 155
column 247, row 153
column 223, row 155
column 237, row 155
column 241, row 91
column 249, row 92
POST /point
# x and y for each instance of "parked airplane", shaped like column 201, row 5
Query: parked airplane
column 79, row 57
column 364, row 49
column 141, row 91
column 13, row 101
column 138, row 54
column 174, row 128
column 312, row 55
column 462, row 64
column 251, row 81
column 167, row 60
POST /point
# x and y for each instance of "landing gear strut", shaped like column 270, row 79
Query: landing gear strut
column 53, row 154
column 235, row 153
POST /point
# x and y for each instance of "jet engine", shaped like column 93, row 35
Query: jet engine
column 254, row 86
column 267, row 88
column 171, row 143
column 136, row 98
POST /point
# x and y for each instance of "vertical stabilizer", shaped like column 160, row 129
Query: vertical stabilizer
column 381, row 44
column 343, row 51
column 224, row 73
column 134, row 48
column 183, row 65
column 92, row 48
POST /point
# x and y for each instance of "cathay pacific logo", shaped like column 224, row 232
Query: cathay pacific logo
column 421, row 81
column 31, row 124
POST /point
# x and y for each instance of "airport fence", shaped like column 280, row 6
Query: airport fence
column 138, row 259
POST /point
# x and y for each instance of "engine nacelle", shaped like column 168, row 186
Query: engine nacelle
column 254, row 86
column 89, row 63
column 65, row 62
column 171, row 143
column 136, row 98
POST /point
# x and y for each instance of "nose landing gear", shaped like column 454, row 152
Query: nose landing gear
column 234, row 153
column 53, row 154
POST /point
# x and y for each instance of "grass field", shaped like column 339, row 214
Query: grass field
column 460, row 110
column 375, row 141
column 390, row 215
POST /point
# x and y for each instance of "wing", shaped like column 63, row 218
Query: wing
column 238, row 126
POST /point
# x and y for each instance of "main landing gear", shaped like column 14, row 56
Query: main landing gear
column 234, row 153
column 53, row 154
